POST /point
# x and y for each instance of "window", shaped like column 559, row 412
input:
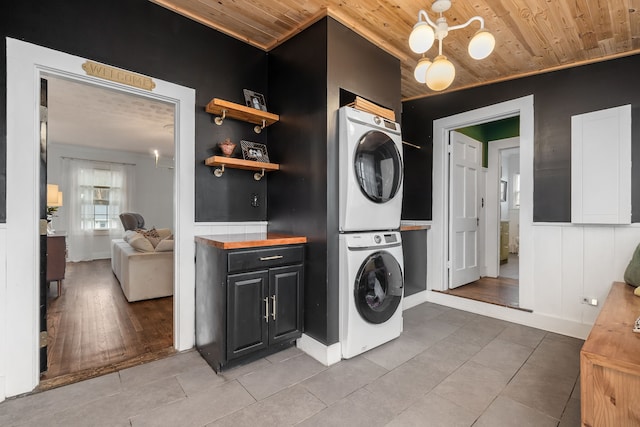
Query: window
column 101, row 198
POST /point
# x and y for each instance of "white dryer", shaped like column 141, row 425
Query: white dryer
column 371, row 289
column 371, row 171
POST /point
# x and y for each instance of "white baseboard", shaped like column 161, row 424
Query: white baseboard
column 535, row 320
column 413, row 300
column 327, row 355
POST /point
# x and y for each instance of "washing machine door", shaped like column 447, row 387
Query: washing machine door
column 378, row 166
column 378, row 287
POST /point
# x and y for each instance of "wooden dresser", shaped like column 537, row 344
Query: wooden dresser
column 610, row 363
column 56, row 258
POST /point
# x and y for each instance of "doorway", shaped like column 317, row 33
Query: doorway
column 25, row 63
column 484, row 212
column 438, row 276
column 101, row 156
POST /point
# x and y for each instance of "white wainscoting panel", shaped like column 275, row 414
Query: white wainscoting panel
column 572, row 272
column 3, row 309
column 626, row 241
column 217, row 228
column 599, row 248
column 572, row 262
column 547, row 270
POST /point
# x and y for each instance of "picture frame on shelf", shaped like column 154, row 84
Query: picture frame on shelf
column 254, row 100
column 254, row 151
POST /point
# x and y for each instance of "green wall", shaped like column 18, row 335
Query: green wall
column 492, row 131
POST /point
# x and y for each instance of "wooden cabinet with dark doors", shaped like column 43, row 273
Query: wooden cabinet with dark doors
column 248, row 302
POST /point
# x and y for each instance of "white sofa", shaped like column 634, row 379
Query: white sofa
column 142, row 275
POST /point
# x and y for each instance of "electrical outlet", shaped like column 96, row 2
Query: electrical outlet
column 590, row 301
column 255, row 201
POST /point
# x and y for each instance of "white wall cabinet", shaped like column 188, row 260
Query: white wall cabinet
column 601, row 167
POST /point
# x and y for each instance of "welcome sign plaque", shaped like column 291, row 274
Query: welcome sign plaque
column 117, row 75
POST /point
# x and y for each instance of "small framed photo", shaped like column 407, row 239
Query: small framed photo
column 254, row 151
column 254, row 100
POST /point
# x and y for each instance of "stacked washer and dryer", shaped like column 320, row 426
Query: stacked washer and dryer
column 370, row 204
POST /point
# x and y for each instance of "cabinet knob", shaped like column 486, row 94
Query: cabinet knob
column 273, row 313
column 266, row 309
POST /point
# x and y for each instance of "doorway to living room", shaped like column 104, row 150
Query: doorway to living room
column 25, row 65
column 108, row 152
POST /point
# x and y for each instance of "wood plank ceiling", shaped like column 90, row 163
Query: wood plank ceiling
column 532, row 36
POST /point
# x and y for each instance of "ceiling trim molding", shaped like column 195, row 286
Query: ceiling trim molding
column 208, row 23
column 530, row 73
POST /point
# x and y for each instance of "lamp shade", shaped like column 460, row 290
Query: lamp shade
column 420, row 73
column 52, row 194
column 421, row 37
column 482, row 44
column 440, row 74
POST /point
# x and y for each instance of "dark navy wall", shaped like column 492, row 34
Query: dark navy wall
column 557, row 97
column 141, row 36
column 298, row 192
column 306, row 77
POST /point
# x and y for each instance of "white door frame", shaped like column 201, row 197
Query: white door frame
column 25, row 64
column 492, row 244
column 437, row 275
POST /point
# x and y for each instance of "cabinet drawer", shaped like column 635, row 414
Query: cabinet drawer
column 245, row 260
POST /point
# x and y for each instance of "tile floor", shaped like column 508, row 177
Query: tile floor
column 448, row 368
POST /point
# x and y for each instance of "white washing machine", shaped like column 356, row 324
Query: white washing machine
column 371, row 171
column 371, row 289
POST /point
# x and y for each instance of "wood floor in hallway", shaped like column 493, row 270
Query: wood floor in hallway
column 503, row 290
column 500, row 291
column 94, row 330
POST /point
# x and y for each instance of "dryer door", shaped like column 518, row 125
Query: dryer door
column 378, row 287
column 378, row 166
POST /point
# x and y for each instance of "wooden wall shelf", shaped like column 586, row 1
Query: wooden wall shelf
column 231, row 162
column 220, row 107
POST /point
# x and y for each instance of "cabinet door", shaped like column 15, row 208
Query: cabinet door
column 247, row 315
column 285, row 293
column 601, row 167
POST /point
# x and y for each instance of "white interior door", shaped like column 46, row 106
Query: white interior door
column 464, row 170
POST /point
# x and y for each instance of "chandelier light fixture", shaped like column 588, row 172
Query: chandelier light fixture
column 439, row 74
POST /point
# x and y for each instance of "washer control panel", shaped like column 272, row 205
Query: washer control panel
column 372, row 239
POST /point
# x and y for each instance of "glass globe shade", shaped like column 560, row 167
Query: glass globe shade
column 421, row 37
column 420, row 73
column 482, row 44
column 440, row 74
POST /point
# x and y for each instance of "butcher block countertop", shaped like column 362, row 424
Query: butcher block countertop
column 249, row 240
column 414, row 227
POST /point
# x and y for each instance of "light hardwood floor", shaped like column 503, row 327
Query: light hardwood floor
column 93, row 330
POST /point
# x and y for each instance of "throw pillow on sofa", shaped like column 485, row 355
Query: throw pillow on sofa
column 165, row 245
column 151, row 235
column 141, row 243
